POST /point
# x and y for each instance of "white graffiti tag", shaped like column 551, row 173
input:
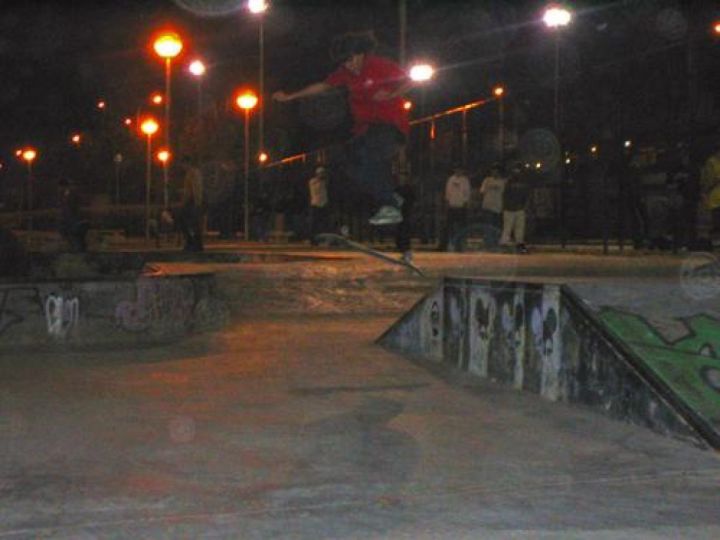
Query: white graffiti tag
column 62, row 315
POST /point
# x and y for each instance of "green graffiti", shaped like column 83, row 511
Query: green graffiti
column 689, row 365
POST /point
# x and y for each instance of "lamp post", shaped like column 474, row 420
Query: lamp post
column 163, row 157
column 259, row 7
column 555, row 18
column 197, row 69
column 420, row 73
column 167, row 46
column 149, row 127
column 246, row 101
column 118, row 160
column 499, row 93
column 28, row 156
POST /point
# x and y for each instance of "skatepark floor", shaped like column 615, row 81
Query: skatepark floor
column 291, row 423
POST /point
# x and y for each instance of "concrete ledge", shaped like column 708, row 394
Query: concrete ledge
column 115, row 313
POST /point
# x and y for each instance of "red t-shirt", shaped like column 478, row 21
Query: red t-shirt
column 376, row 74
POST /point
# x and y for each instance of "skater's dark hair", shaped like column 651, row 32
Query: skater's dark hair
column 347, row 45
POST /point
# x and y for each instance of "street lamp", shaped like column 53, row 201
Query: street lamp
column 167, row 46
column 29, row 155
column 555, row 18
column 163, row 157
column 499, row 93
column 246, row 101
column 197, row 69
column 259, row 7
column 149, row 127
column 75, row 139
column 156, row 98
column 422, row 72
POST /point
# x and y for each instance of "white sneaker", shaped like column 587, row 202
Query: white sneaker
column 387, row 215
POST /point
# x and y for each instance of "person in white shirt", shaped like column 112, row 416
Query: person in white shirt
column 319, row 207
column 491, row 190
column 457, row 199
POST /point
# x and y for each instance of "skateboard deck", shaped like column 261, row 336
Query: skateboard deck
column 338, row 239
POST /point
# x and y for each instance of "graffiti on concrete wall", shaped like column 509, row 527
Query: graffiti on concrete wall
column 431, row 327
column 62, row 315
column 156, row 300
column 690, row 365
column 483, row 311
column 512, row 320
column 545, row 326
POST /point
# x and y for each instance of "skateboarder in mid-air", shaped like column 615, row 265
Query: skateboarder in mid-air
column 375, row 87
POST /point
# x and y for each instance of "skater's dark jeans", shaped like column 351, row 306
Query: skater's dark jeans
column 454, row 226
column 492, row 228
column 371, row 162
column 189, row 223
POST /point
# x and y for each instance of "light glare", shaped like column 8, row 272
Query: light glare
column 556, row 16
column 422, row 72
column 197, row 68
column 168, row 45
column 257, row 6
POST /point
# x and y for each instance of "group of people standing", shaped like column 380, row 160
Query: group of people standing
column 501, row 215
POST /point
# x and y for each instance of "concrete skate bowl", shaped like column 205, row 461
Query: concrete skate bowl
column 549, row 340
column 70, row 302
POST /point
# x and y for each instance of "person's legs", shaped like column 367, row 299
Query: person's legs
column 508, row 218
column 519, row 227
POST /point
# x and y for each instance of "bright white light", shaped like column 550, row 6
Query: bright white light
column 628, row 144
column 556, row 16
column 422, row 72
column 197, row 68
column 257, row 6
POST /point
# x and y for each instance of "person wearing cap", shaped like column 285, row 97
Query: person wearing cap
column 375, row 88
column 319, row 208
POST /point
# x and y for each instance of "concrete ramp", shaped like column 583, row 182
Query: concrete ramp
column 579, row 345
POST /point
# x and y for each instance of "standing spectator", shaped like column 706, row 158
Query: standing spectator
column 710, row 189
column 319, row 207
column 457, row 199
column 72, row 227
column 192, row 207
column 375, row 87
column 491, row 190
column 515, row 199
column 403, row 232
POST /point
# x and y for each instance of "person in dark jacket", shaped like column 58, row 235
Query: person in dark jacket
column 515, row 200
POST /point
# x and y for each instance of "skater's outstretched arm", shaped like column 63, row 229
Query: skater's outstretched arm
column 310, row 90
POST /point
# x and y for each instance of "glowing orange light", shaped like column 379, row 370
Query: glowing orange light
column 128, row 121
column 498, row 91
column 263, row 157
column 75, row 138
column 101, row 104
column 246, row 100
column 164, row 156
column 157, row 98
column 18, row 152
column 716, row 27
column 149, row 127
column 168, row 45
column 407, row 104
column 29, row 154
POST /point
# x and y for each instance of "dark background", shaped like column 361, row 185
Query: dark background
column 640, row 69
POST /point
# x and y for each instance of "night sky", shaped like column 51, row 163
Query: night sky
column 622, row 61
